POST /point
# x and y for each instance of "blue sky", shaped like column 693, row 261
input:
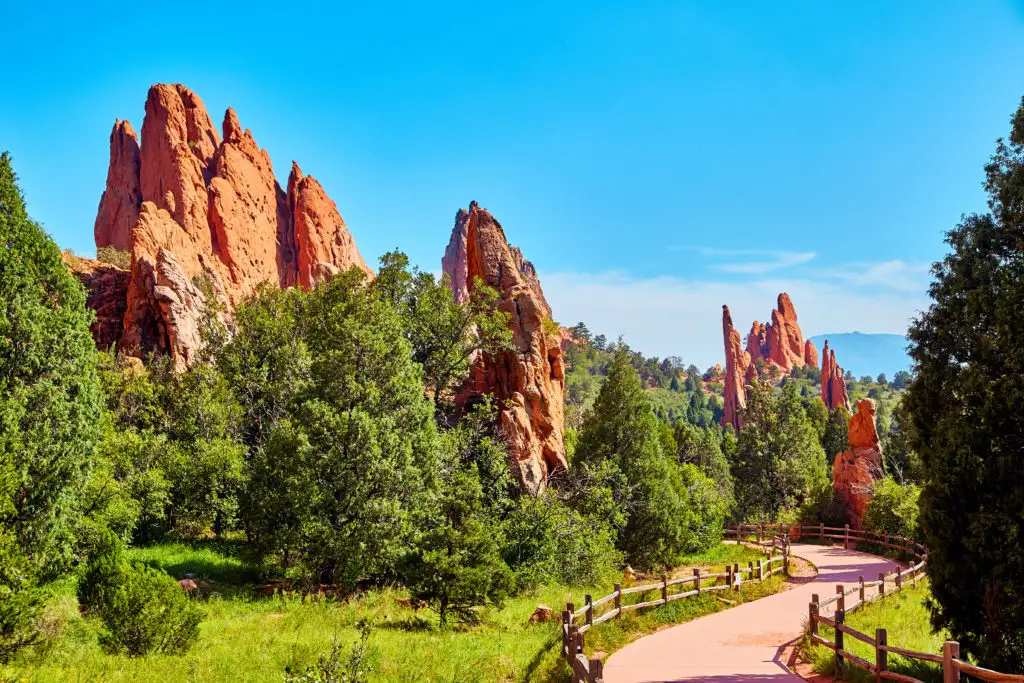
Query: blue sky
column 654, row 159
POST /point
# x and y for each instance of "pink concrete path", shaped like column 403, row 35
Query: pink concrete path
column 743, row 643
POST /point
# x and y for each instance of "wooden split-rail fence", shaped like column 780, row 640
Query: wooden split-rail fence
column 596, row 612
column 839, row 605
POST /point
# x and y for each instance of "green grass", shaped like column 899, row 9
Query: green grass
column 905, row 618
column 248, row 636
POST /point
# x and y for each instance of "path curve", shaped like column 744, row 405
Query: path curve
column 743, row 643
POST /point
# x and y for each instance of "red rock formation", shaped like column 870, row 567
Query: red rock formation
column 107, row 288
column 119, row 204
column 833, row 385
column 323, row 243
column 856, row 470
column 780, row 342
column 737, row 365
column 527, row 382
column 566, row 339
column 210, row 211
column 810, row 354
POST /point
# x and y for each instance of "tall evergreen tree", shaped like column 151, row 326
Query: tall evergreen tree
column 623, row 432
column 966, row 422
column 49, row 410
column 779, row 461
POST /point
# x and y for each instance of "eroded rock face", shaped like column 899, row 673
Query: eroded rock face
column 833, row 385
column 737, row 367
column 856, row 470
column 107, row 288
column 527, row 381
column 209, row 218
column 120, row 202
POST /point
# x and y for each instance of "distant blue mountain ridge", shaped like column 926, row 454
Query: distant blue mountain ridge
column 867, row 354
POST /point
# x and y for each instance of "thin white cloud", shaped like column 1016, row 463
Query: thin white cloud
column 782, row 259
column 768, row 259
column 666, row 315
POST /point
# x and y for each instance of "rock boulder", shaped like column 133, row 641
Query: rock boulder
column 856, row 470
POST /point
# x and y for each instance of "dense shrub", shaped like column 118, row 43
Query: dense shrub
column 147, row 612
column 893, row 508
column 547, row 541
column 143, row 609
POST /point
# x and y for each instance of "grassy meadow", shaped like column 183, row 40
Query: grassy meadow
column 252, row 636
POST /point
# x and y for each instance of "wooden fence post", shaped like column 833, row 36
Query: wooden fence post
column 862, row 589
column 839, row 618
column 572, row 610
column 590, row 609
column 596, row 671
column 618, row 600
column 566, row 650
column 881, row 586
column 728, row 576
column 760, row 570
column 812, row 612
column 881, row 656
column 785, row 559
column 950, row 651
column 664, row 588
column 899, row 577
column 846, row 538
column 821, row 530
column 574, row 639
column 760, row 532
column 696, row 579
column 737, row 578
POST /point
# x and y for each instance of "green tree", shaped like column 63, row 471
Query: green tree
column 622, row 432
column 345, row 448
column 444, row 334
column 456, row 563
column 49, row 412
column 966, row 423
column 901, row 379
column 779, row 463
column 882, row 380
column 702, row 448
column 836, row 438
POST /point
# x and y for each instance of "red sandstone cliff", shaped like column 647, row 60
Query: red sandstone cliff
column 527, row 381
column 833, row 385
column 856, row 470
column 195, row 205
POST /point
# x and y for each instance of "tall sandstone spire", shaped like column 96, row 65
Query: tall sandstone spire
column 527, row 381
column 119, row 205
column 207, row 207
column 833, row 385
column 737, row 364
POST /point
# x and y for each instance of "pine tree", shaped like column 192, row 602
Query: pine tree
column 49, row 411
column 623, row 432
column 965, row 420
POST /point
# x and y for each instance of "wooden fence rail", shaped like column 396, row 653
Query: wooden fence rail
column 586, row 670
column 887, row 584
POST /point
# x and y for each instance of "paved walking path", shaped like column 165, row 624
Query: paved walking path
column 743, row 643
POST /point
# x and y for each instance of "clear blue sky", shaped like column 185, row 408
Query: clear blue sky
column 654, row 159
